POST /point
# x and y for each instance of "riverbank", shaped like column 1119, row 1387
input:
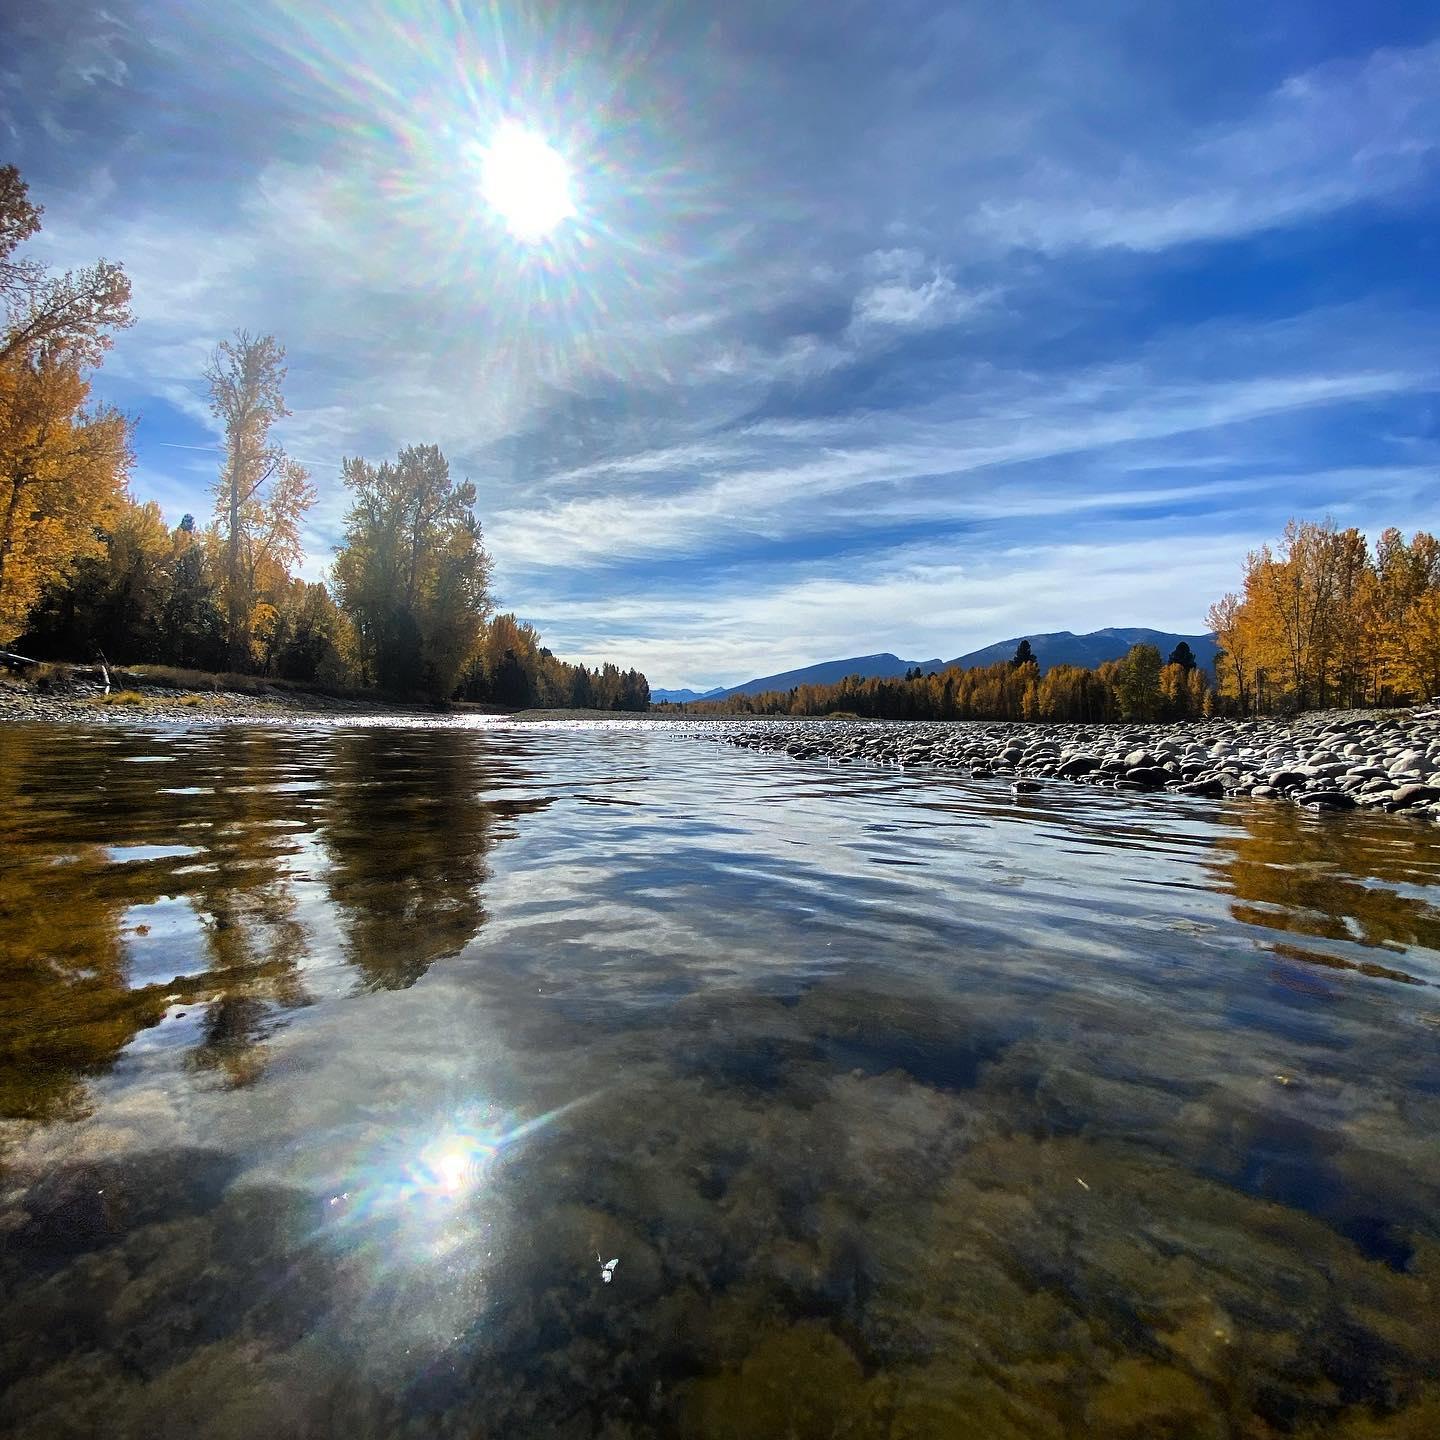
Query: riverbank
column 76, row 694
column 79, row 695
column 1328, row 760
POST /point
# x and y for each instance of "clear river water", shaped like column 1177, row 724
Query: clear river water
column 504, row 1080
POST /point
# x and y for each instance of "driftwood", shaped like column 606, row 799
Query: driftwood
column 12, row 661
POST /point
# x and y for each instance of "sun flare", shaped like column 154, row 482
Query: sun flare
column 526, row 181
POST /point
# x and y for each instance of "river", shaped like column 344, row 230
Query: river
column 506, row 1080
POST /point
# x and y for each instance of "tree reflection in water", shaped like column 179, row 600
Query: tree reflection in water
column 1354, row 878
column 407, row 829
column 65, row 1009
column 220, row 829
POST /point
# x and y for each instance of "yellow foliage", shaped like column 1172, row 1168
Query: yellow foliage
column 1416, row 668
column 1030, row 701
column 62, row 475
column 264, row 619
column 1323, row 622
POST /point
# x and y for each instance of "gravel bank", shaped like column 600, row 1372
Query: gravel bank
column 86, row 704
column 1328, row 760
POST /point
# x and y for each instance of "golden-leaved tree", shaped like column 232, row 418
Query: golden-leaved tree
column 62, row 462
column 261, row 495
column 1322, row 621
column 1404, row 613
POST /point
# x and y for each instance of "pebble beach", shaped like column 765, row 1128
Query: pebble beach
column 1325, row 760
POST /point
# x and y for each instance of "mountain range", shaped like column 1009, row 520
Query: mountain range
column 1061, row 647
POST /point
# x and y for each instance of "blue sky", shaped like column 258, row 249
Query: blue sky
column 879, row 326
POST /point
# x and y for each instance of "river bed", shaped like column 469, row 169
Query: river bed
column 339, row 1063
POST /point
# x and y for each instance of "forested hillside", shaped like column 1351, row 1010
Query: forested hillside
column 1141, row 686
column 1323, row 619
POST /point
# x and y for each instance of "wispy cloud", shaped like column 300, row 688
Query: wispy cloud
column 935, row 601
column 1323, row 139
column 910, row 466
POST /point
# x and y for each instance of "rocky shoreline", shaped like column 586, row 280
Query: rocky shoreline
column 1326, row 760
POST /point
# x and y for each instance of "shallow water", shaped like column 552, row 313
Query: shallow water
column 336, row 1063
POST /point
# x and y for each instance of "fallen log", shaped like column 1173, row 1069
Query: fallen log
column 12, row 661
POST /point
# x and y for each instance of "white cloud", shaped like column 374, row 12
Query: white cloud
column 904, row 291
column 938, row 599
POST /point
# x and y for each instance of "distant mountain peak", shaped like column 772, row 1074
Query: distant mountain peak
column 1064, row 647
column 1055, row 647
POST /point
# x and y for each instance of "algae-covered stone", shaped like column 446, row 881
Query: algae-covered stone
column 1145, row 1401
column 802, row 1383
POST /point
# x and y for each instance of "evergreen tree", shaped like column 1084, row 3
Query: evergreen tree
column 1024, row 655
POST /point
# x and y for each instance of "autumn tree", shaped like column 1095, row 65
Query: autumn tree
column 70, row 315
column 1235, row 657
column 1182, row 691
column 306, row 638
column 1138, row 683
column 1403, row 600
column 512, row 668
column 62, row 462
column 1071, row 692
column 261, row 495
column 1419, row 667
column 1303, row 607
column 413, row 574
column 1323, row 620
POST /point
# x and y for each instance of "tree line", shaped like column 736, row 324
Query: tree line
column 1323, row 618
column 86, row 568
column 1139, row 686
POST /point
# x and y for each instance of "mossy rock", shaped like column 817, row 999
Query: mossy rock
column 1145, row 1401
column 802, row 1383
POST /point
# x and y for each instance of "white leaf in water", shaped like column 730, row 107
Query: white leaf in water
column 607, row 1270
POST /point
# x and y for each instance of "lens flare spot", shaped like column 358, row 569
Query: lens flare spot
column 526, row 181
column 450, row 1166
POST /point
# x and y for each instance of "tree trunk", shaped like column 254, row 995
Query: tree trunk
column 234, row 605
column 7, row 535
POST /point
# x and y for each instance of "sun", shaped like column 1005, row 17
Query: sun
column 526, row 181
